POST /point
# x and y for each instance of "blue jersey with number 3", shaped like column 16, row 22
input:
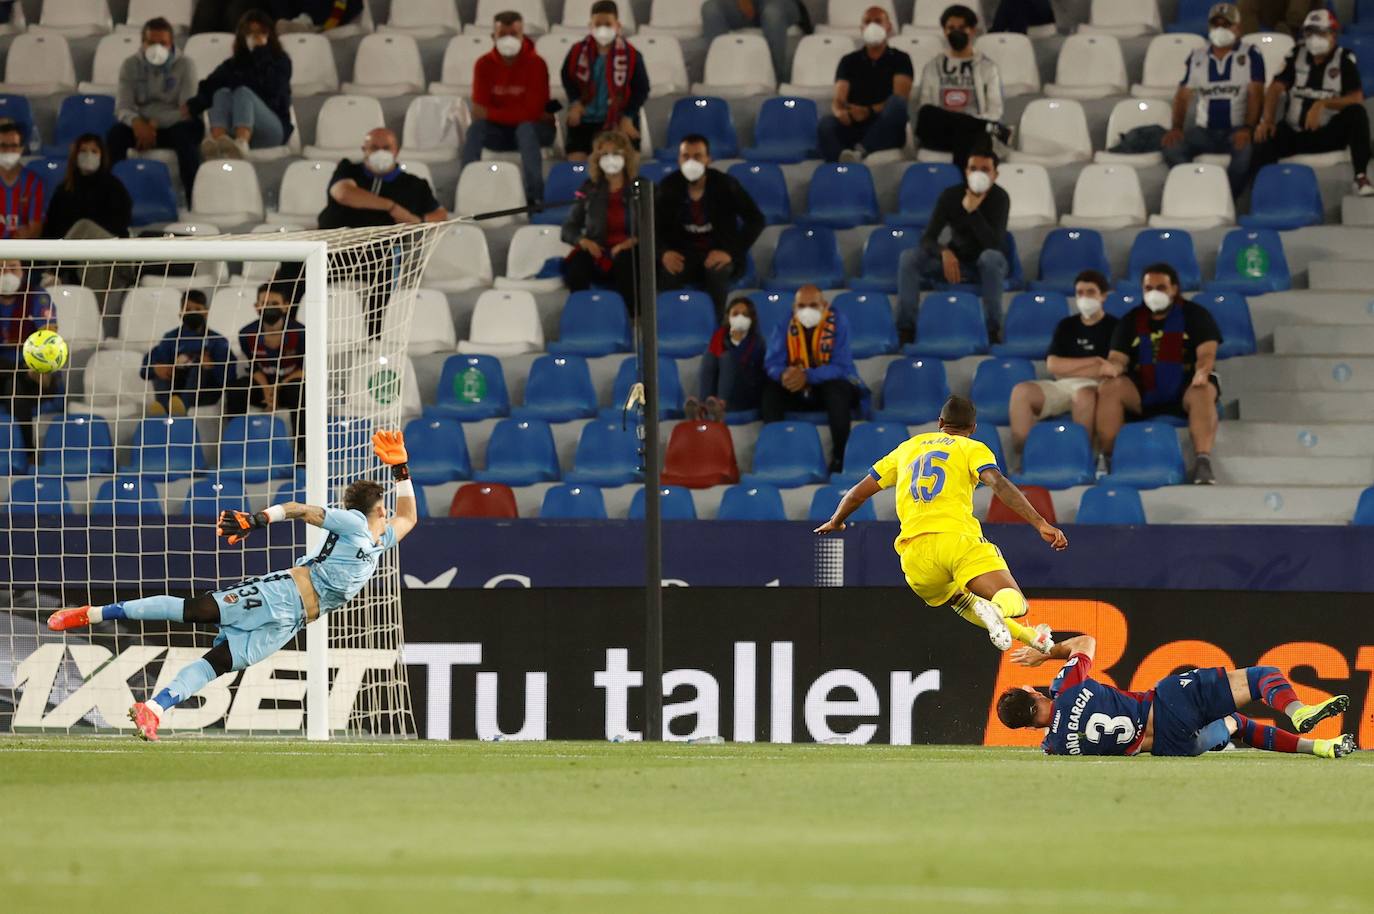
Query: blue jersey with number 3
column 347, row 559
column 1091, row 718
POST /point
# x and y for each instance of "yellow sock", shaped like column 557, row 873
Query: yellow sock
column 1010, row 601
column 1023, row 633
column 963, row 606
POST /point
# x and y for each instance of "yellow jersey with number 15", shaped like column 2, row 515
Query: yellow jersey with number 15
column 935, row 475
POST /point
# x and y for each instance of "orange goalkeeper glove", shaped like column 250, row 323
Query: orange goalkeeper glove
column 236, row 525
column 390, row 448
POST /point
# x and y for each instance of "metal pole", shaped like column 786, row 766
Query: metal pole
column 653, row 530
column 316, row 479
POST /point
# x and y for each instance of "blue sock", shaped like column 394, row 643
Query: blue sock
column 192, row 678
column 154, row 609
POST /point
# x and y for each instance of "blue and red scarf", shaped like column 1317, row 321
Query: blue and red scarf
column 620, row 66
column 822, row 342
column 1160, row 368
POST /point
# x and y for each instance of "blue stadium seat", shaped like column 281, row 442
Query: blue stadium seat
column 127, row 496
column 655, row 171
column 686, row 321
column 579, row 502
column 149, row 183
column 607, row 454
column 167, row 446
column 1146, row 456
column 675, row 503
column 1284, row 197
column 520, row 453
column 913, row 391
column 670, row 396
column 1251, row 262
column 1171, row 246
column 51, row 172
column 807, row 255
column 78, row 444
column 827, row 499
column 1111, row 506
column 17, row 108
column 1232, row 313
column 706, row 115
column 1364, row 509
column 869, row 442
column 559, row 389
column 438, row 450
column 785, row 131
column 950, row 325
column 773, row 308
column 1030, row 323
column 257, row 448
column 593, row 322
column 872, row 330
column 561, row 186
column 31, row 495
column 291, row 490
column 883, row 251
column 209, row 495
column 472, row 387
column 14, row 456
column 992, row 384
column 1057, row 455
column 788, row 454
column 765, row 183
column 1357, row 35
column 986, row 432
column 1118, row 304
column 921, row 186
column 758, row 501
column 1066, row 253
column 1190, row 16
column 81, row 114
column 348, row 442
column 840, row 195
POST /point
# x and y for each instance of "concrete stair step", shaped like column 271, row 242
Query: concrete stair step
column 1283, row 309
column 1309, row 406
column 1324, row 340
column 1342, row 275
column 1293, row 471
column 1285, row 439
column 1287, row 373
column 1357, row 210
column 1251, row 504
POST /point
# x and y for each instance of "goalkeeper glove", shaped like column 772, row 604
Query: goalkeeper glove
column 390, row 448
column 236, row 525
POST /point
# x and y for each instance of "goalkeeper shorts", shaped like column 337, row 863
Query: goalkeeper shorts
column 258, row 617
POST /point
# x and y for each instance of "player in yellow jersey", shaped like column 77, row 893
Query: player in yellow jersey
column 944, row 556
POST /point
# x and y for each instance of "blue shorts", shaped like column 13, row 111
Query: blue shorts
column 259, row 616
column 1185, row 704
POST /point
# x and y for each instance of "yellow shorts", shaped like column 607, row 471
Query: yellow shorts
column 938, row 565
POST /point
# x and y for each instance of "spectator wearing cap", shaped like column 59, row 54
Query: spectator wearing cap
column 960, row 102
column 1325, row 103
column 1284, row 16
column 1227, row 79
column 872, row 84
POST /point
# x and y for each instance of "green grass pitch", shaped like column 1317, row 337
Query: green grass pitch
column 199, row 825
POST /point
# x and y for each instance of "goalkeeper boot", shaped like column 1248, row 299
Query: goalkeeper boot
column 991, row 617
column 1339, row 747
column 145, row 720
column 64, row 619
column 1308, row 716
column 1044, row 639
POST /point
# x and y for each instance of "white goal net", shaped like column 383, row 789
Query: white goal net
column 204, row 374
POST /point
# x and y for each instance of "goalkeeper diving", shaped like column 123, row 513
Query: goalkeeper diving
column 259, row 616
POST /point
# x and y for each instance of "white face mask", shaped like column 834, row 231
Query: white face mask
column 87, row 162
column 509, row 45
column 612, row 164
column 1157, row 301
column 692, row 170
column 255, row 41
column 9, row 159
column 1222, row 38
column 740, row 323
column 157, row 54
column 808, row 317
column 381, row 161
column 979, row 182
column 1087, row 305
column 1317, row 45
column 604, row 34
column 874, row 33
column 9, row 283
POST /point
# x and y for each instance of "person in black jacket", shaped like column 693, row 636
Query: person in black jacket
column 249, row 95
column 90, row 202
column 732, row 375
column 706, row 223
column 600, row 225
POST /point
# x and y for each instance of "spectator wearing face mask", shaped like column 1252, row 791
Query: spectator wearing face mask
column 90, row 202
column 960, row 102
column 275, row 347
column 1076, row 361
column 1325, row 103
column 249, row 95
column 606, row 81
column 155, row 85
column 22, row 201
column 187, row 367
column 732, row 373
column 868, row 112
column 25, row 308
column 377, row 191
column 1161, row 361
column 510, row 95
column 1284, row 16
column 600, row 226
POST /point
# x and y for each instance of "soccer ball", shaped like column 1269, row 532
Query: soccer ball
column 45, row 351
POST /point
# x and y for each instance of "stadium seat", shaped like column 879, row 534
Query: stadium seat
column 304, row 191
column 109, row 375
column 686, row 321
column 1106, row 197
column 343, row 122
column 520, row 452
column 534, row 260
column 75, row 18
column 485, row 500
column 883, row 250
column 788, row 454
column 842, row 17
column 806, row 255
column 460, row 56
column 472, row 387
column 840, row 196
column 110, row 55
column 766, row 185
column 1053, row 131
column 78, row 444
column 1232, row 314
column 738, row 65
column 751, row 501
column 17, row 108
column 1190, row 16
column 1015, row 59
column 78, row 315
column 950, row 325
column 785, row 131
column 1089, row 66
column 39, row 495
column 1058, row 455
column 313, row 71
column 664, row 63
column 913, row 391
column 707, row 116
column 699, row 455
column 560, row 187
column 38, row 64
column 869, row 442
column 461, row 261
column 207, row 50
column 922, row 184
column 573, row 502
column 1364, row 509
column 1119, row 304
column 1147, row 455
column 209, row 495
column 1164, row 59
column 226, row 193
column 992, row 384
column 1029, row 325
column 423, row 18
column 1065, row 254
column 1284, row 197
column 1122, row 18
column 1171, row 246
column 592, row 323
column 1196, row 196
column 1128, row 114
column 827, row 498
column 655, row 171
column 177, row 12
column 386, row 65
column 430, row 328
column 257, row 447
column 167, row 447
column 438, row 450
column 148, row 313
column 51, row 171
column 675, row 503
column 1032, row 197
column 774, row 308
column 487, row 187
column 14, row 455
column 607, row 454
column 814, row 63
column 504, row 322
column 559, row 389
column 149, row 183
column 872, row 330
column 127, row 496
column 672, row 17
column 1104, row 505
column 432, row 131
column 577, row 13
column 921, row 47
column 1251, row 262
column 1040, row 500
column 1275, row 47
column 532, row 11
column 925, row 16
column 670, row 396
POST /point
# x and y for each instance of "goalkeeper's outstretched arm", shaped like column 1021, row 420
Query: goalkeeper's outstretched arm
column 390, row 448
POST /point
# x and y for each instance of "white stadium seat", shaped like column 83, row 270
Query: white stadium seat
column 504, row 322
column 210, row 49
column 1053, row 131
column 813, row 66
column 1196, row 197
column 347, row 327
column 423, row 18
column 675, row 18
column 485, row 187
column 75, row 18
column 206, row 273
column 387, row 65
column 845, row 17
column 304, row 192
column 460, row 261
column 664, row 64
column 577, row 16
column 455, row 77
column 431, row 324
column 553, row 48
column 343, row 124
column 926, row 16
column 177, row 12
column 148, row 313
column 1164, row 60
column 530, row 248
column 112, row 386
column 532, row 11
column 110, row 55
column 1128, row 114
column 39, row 64
column 375, row 380
column 432, row 131
column 921, row 47
column 1015, row 59
column 1274, row 47
column 419, row 170
column 226, row 193
column 1089, row 66
column 78, row 315
column 1106, row 197
column 1032, row 198
column 259, row 271
column 231, row 309
column 738, row 65
column 1122, row 18
column 313, row 71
